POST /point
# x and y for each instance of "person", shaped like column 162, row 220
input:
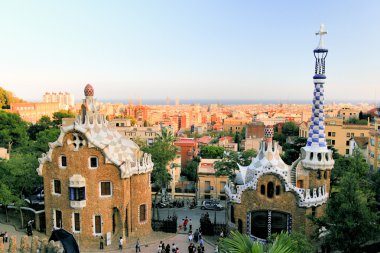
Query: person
column 190, row 237
column 121, row 243
column 163, row 245
column 185, row 223
column 190, row 225
column 138, row 249
column 5, row 237
column 199, row 249
column 216, row 249
column 176, row 250
column 163, row 249
column 167, row 249
column 202, row 244
column 159, row 248
column 173, row 247
column 196, row 236
column 101, row 246
column 191, row 248
column 221, row 234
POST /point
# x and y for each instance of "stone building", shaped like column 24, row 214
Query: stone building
column 96, row 182
column 374, row 146
column 210, row 186
column 269, row 196
column 33, row 112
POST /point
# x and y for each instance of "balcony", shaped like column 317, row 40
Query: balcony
column 77, row 204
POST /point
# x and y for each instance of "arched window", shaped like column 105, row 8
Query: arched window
column 262, row 189
column 278, row 189
column 325, row 175
column 319, row 174
column 319, row 155
column 270, row 190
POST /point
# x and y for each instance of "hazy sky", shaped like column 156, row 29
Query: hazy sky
column 190, row 49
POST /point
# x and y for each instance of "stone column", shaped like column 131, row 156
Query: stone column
column 34, row 246
column 12, row 244
column 25, row 247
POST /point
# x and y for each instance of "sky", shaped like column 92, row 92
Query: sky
column 214, row 49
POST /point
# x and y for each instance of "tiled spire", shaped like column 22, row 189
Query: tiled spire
column 317, row 136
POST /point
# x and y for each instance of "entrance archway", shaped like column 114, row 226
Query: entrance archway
column 267, row 222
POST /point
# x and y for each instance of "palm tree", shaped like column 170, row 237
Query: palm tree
column 239, row 243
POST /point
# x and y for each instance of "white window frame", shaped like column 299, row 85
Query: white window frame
column 60, row 162
column 100, row 189
column 55, row 218
column 73, row 223
column 89, row 163
column 53, row 188
column 94, row 227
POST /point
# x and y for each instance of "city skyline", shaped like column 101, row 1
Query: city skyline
column 191, row 50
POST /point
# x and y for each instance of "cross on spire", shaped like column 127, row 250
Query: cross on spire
column 321, row 32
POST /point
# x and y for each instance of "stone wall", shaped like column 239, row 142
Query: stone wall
column 253, row 200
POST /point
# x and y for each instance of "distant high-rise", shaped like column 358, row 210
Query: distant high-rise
column 177, row 101
column 65, row 100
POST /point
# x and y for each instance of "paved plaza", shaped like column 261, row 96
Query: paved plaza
column 151, row 242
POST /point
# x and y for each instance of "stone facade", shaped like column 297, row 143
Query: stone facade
column 96, row 182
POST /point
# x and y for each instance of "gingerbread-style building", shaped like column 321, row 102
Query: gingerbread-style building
column 269, row 196
column 96, row 181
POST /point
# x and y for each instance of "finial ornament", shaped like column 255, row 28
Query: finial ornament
column 321, row 32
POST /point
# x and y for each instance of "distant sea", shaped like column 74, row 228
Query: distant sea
column 227, row 101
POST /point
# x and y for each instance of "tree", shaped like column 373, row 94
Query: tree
column 43, row 138
column 6, row 98
column 6, row 198
column 290, row 129
column 350, row 217
column 211, row 152
column 43, row 124
column 229, row 164
column 163, row 151
column 190, row 171
column 13, row 130
column 58, row 116
column 239, row 243
column 19, row 174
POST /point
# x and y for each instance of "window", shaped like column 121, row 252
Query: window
column 333, row 142
column 328, row 142
column 222, row 185
column 347, row 151
column 329, row 134
column 58, row 219
column 325, row 175
column 348, row 135
column 63, row 161
column 278, row 189
column 313, row 211
column 93, row 162
column 319, row 174
column 57, row 186
column 262, row 189
column 207, row 186
column 300, row 183
column 352, row 134
column 77, row 194
column 270, row 191
column 333, row 134
column 105, row 189
column 98, row 224
column 373, row 142
column 232, row 213
column 347, row 143
column 142, row 213
column 371, row 154
column 76, row 222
